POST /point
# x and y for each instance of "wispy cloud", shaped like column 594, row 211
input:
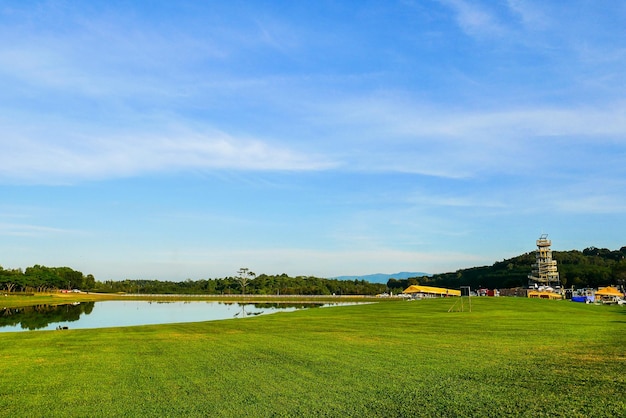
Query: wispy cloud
column 530, row 13
column 276, row 34
column 433, row 200
column 412, row 137
column 592, row 203
column 123, row 84
column 591, row 195
column 26, row 230
column 474, row 19
column 111, row 55
column 53, row 157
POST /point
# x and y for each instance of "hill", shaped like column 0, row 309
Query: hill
column 592, row 267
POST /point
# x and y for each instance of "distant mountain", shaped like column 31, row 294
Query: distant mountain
column 383, row 278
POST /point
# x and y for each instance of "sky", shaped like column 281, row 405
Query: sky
column 186, row 140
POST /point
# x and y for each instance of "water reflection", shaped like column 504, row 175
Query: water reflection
column 130, row 313
column 41, row 316
column 260, row 308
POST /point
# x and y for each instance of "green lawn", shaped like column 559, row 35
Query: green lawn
column 508, row 357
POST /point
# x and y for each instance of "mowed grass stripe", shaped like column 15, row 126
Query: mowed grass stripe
column 508, row 356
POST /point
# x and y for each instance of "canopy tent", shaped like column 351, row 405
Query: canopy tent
column 609, row 295
column 433, row 291
column 609, row 291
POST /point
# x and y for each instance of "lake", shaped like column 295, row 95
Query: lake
column 130, row 313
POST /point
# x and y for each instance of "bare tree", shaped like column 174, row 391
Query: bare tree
column 244, row 275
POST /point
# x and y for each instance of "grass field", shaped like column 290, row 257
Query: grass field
column 508, row 357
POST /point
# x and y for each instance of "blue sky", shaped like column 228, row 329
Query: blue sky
column 173, row 140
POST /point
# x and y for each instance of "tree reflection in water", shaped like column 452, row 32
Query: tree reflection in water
column 40, row 316
column 243, row 313
column 132, row 313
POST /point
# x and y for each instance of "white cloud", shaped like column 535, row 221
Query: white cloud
column 40, row 158
column 400, row 135
column 401, row 117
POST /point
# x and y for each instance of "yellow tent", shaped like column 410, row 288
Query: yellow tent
column 609, row 294
column 609, row 291
column 433, row 291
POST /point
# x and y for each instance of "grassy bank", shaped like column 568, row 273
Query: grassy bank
column 507, row 357
column 13, row 300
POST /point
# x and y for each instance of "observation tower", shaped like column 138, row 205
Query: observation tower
column 544, row 274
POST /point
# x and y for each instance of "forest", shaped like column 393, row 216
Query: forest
column 592, row 267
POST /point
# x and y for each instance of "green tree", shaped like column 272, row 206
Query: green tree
column 619, row 272
column 89, row 282
column 11, row 279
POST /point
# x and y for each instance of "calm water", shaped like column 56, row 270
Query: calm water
column 129, row 313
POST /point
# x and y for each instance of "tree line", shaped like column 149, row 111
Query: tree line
column 592, row 267
column 43, row 279
column 262, row 284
